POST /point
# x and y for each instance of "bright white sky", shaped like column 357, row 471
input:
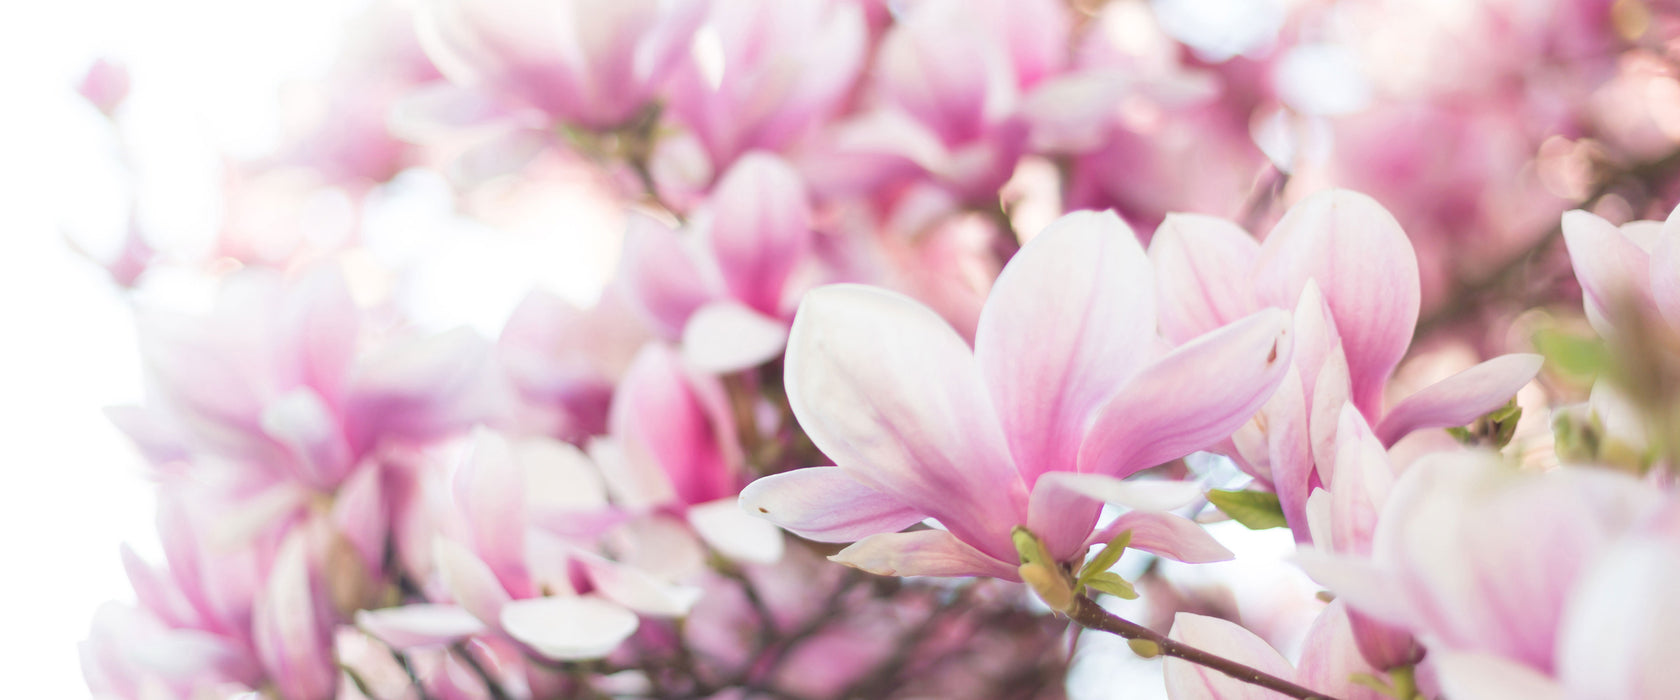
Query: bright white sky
column 205, row 71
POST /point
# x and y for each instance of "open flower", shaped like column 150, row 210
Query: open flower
column 1065, row 392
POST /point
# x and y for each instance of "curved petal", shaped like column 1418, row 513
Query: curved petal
column 680, row 421
column 1289, row 453
column 826, row 504
column 1359, row 482
column 760, row 228
column 469, row 581
column 1330, row 658
column 1491, row 677
column 1188, row 681
column 1367, row 270
column 1065, row 505
column 922, row 553
column 1461, row 398
column 636, row 589
column 490, row 491
column 735, row 534
column 1069, row 321
column 1204, row 268
column 1192, row 398
column 1665, row 271
column 423, row 625
column 889, row 391
column 724, row 337
column 1172, row 536
column 301, row 421
column 569, row 627
column 662, row 277
column 1611, row 267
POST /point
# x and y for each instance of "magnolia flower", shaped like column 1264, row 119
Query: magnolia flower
column 1344, row 265
column 1328, row 662
column 723, row 285
column 509, row 575
column 1523, row 585
column 1066, row 392
column 1637, row 263
column 588, row 62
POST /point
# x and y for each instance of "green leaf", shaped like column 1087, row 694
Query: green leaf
column 1256, row 510
column 1107, row 557
column 1576, row 356
column 1111, row 583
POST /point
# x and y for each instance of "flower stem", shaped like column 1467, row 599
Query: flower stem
column 1090, row 615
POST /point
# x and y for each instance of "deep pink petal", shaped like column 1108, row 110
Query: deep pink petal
column 1204, row 269
column 1192, row 398
column 1069, row 320
column 681, row 421
column 922, row 553
column 826, row 504
column 1461, row 398
column 1367, row 270
column 893, row 395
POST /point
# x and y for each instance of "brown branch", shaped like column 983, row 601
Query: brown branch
column 1090, row 615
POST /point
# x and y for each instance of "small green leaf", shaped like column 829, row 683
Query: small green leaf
column 1107, row 557
column 1576, row 356
column 1144, row 648
column 1111, row 583
column 1256, row 510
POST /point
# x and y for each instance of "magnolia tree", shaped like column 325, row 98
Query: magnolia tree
column 946, row 339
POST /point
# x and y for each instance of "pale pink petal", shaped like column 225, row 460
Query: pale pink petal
column 1289, row 452
column 1461, row 398
column 1359, row 482
column 418, row 626
column 1611, row 267
column 423, row 389
column 1665, row 270
column 1191, row 399
column 1363, row 585
column 361, row 513
column 1204, row 269
column 322, row 322
column 569, row 627
column 724, row 337
column 490, row 491
column 662, row 277
column 940, row 76
column 1367, row 270
column 735, row 534
column 1064, row 506
column 1069, row 321
column 759, row 228
column 301, row 421
column 1619, row 637
column 559, row 477
column 680, row 421
column 826, row 504
column 291, row 639
column 1172, row 536
column 1188, row 681
column 922, row 553
column 1332, row 389
column 636, row 589
column 892, row 394
column 1486, row 676
column 1330, row 658
column 469, row 581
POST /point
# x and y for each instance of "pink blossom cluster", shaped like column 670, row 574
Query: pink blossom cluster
column 1009, row 307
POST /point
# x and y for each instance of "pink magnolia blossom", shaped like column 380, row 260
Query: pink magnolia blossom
column 1637, row 263
column 593, row 63
column 1544, row 584
column 1347, row 269
column 1328, row 661
column 285, row 379
column 564, row 361
column 724, row 285
column 1066, row 392
column 765, row 73
column 511, row 577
